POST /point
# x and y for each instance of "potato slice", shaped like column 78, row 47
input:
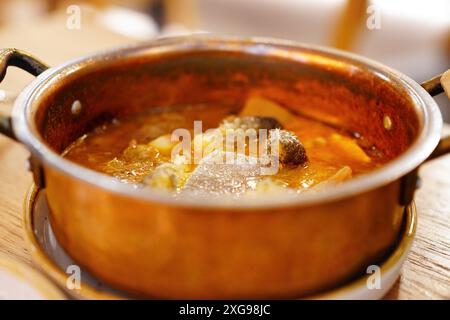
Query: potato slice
column 164, row 144
column 350, row 147
column 258, row 106
column 341, row 175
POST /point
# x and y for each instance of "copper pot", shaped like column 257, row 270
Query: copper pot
column 153, row 246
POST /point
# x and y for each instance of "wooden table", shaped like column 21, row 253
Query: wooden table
column 425, row 275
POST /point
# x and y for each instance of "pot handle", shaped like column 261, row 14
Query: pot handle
column 409, row 182
column 24, row 61
column 435, row 86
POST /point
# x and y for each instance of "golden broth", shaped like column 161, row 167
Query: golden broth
column 115, row 148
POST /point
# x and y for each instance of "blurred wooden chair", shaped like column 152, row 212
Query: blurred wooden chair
column 350, row 23
column 53, row 5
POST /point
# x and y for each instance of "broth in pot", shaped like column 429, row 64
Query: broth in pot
column 143, row 150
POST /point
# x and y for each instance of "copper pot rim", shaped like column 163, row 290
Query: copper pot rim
column 430, row 119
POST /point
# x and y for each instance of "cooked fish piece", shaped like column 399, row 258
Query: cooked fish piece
column 169, row 176
column 216, row 177
column 165, row 176
column 290, row 149
column 135, row 162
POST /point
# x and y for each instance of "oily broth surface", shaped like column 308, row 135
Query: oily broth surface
column 96, row 149
column 328, row 149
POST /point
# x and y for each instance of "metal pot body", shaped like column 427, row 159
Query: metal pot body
column 166, row 251
column 150, row 245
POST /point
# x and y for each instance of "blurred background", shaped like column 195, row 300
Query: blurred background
column 412, row 36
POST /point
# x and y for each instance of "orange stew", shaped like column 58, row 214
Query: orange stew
column 132, row 149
